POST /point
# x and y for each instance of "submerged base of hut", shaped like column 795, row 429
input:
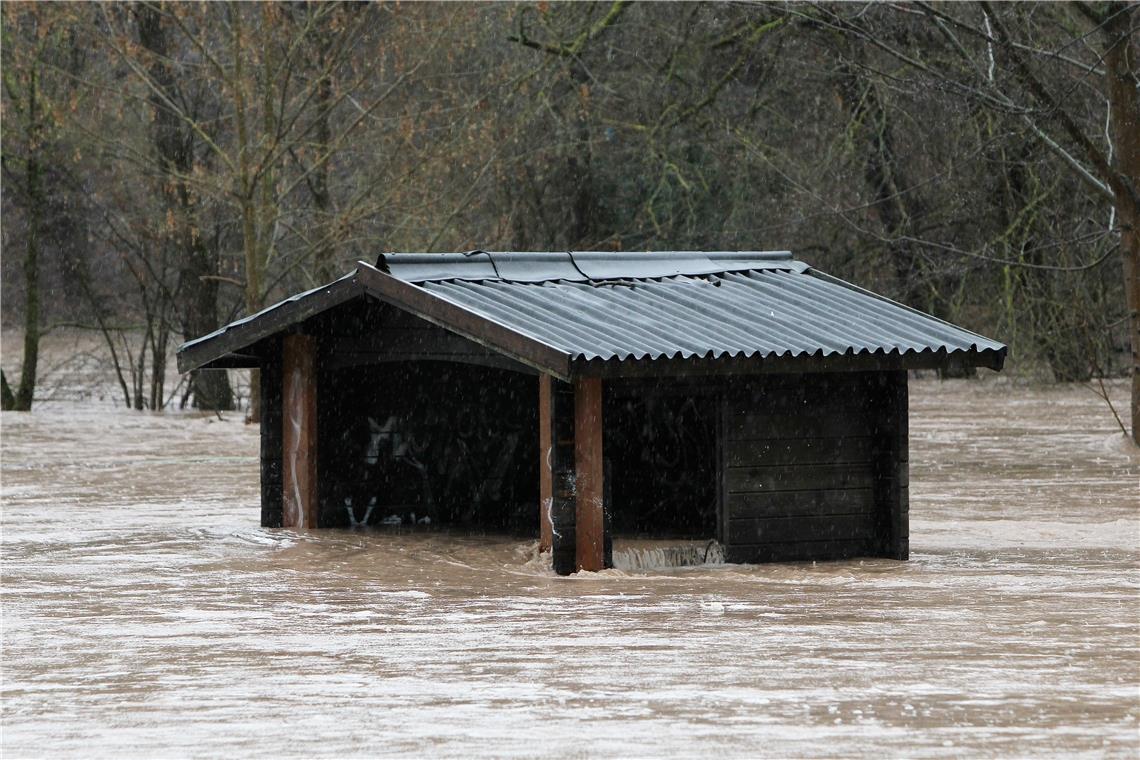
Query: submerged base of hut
column 770, row 467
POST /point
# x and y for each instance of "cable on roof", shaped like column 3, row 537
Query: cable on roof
column 490, row 258
column 575, row 263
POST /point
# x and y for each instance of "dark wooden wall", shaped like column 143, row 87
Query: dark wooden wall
column 892, row 474
column 815, row 467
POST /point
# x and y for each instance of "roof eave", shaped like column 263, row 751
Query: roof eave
column 228, row 347
column 215, row 350
column 756, row 364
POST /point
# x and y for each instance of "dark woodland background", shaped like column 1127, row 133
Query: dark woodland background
column 169, row 167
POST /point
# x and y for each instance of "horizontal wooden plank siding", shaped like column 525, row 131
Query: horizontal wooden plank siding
column 802, row 477
column 800, row 424
column 801, row 503
column 453, row 444
column 803, row 467
column 456, row 319
column 381, row 333
column 798, row 551
column 797, row 451
column 799, row 528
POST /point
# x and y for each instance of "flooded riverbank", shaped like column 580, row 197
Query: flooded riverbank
column 145, row 613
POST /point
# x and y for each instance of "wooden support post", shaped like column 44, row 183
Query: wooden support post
column 563, row 506
column 545, row 462
column 299, row 431
column 271, row 445
column 590, row 521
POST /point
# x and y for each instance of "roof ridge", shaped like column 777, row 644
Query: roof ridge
column 579, row 266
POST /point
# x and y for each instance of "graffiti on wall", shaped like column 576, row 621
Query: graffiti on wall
column 445, row 453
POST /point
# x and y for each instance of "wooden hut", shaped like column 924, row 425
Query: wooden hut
column 743, row 397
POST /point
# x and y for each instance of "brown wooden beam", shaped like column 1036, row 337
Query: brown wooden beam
column 590, row 481
column 299, row 431
column 545, row 463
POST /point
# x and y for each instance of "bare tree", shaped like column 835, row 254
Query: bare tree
column 38, row 44
column 1008, row 74
column 177, row 152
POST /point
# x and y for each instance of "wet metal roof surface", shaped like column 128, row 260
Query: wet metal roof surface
column 621, row 307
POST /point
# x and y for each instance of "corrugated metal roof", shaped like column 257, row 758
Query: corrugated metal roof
column 737, row 314
column 620, row 307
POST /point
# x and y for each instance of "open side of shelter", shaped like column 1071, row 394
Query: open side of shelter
column 736, row 396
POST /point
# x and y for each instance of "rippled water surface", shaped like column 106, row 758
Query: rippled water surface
column 145, row 612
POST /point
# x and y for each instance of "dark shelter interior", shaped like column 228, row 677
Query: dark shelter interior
column 452, row 445
column 430, row 443
column 451, row 441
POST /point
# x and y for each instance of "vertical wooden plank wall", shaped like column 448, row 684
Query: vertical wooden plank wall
column 545, row 462
column 299, row 432
column 590, row 520
column 564, row 492
column 271, row 444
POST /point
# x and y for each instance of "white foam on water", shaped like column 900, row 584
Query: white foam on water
column 632, row 556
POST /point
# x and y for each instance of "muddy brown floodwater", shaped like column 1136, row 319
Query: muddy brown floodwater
column 146, row 614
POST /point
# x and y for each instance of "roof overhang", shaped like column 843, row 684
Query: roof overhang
column 228, row 348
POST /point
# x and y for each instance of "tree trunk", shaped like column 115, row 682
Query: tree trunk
column 7, row 398
column 1122, row 62
column 880, row 172
column 1130, row 253
column 252, row 296
column 322, row 199
column 212, row 389
column 26, row 392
